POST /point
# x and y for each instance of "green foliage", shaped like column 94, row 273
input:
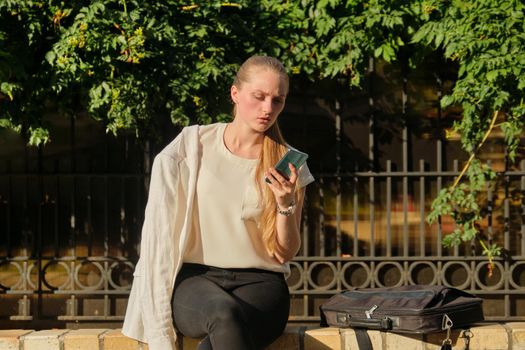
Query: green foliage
column 487, row 39
column 132, row 63
column 23, row 83
column 461, row 202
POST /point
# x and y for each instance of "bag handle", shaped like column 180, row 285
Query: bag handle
column 382, row 324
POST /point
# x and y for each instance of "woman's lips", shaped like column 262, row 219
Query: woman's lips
column 264, row 119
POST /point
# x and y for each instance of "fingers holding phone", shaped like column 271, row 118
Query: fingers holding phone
column 273, row 175
column 283, row 176
column 293, row 157
column 282, row 187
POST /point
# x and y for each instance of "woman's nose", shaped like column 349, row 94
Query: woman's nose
column 267, row 105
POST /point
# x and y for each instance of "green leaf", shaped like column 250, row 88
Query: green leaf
column 378, row 51
column 439, row 39
column 492, row 75
column 38, row 136
column 447, row 100
column 50, row 57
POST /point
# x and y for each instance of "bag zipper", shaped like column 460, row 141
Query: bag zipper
column 403, row 312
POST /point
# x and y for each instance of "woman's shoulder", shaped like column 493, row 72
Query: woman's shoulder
column 185, row 142
column 188, row 140
column 211, row 134
column 210, row 128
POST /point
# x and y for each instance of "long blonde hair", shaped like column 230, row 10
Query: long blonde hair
column 274, row 147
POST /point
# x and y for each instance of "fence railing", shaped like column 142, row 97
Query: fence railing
column 75, row 249
column 385, row 241
column 71, row 241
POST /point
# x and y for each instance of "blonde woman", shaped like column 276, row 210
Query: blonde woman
column 217, row 237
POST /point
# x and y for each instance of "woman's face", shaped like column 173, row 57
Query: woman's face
column 260, row 100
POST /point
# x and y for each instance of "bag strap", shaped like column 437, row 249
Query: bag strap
column 363, row 340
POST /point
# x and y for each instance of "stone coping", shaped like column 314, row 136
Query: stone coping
column 483, row 336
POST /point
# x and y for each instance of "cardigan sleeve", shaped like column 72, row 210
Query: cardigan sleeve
column 159, row 252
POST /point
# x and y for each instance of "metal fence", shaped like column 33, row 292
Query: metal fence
column 69, row 252
column 69, row 239
column 376, row 244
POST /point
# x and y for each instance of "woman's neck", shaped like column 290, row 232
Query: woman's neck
column 242, row 141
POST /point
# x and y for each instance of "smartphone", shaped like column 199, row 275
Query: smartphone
column 297, row 158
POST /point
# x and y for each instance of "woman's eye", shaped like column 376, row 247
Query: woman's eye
column 259, row 97
column 278, row 101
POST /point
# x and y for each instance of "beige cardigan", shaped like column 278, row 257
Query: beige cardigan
column 166, row 227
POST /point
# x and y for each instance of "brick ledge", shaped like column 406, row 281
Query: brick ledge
column 493, row 336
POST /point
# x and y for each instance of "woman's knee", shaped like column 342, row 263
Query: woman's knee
column 224, row 311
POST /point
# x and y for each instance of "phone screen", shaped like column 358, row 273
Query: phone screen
column 293, row 156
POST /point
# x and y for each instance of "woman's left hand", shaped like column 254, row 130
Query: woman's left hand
column 282, row 188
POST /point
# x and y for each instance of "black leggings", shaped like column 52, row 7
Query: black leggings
column 235, row 309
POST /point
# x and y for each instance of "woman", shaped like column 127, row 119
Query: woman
column 216, row 237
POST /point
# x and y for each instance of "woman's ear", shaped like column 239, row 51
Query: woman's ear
column 234, row 93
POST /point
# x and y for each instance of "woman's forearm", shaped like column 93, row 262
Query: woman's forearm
column 288, row 235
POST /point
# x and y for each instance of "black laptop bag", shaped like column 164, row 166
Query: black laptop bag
column 412, row 309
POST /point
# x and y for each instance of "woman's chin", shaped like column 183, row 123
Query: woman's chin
column 263, row 124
